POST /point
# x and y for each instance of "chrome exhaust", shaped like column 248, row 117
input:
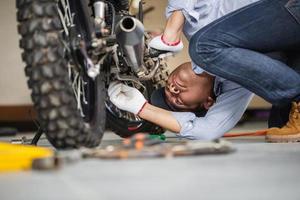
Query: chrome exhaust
column 130, row 36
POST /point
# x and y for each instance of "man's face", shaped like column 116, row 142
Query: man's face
column 185, row 91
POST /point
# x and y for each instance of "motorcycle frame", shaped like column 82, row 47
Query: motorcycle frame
column 83, row 14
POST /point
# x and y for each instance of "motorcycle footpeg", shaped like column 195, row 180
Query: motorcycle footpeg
column 155, row 53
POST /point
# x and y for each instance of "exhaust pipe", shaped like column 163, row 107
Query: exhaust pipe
column 130, row 36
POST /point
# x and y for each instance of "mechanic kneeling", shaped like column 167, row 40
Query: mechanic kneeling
column 232, row 52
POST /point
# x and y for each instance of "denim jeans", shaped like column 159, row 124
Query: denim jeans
column 234, row 47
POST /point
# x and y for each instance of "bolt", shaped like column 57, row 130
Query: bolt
column 94, row 44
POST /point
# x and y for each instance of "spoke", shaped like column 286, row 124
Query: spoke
column 69, row 12
column 79, row 94
column 78, row 89
column 62, row 20
column 83, row 91
column 66, row 46
column 77, row 83
column 70, row 71
column 65, row 15
column 74, row 85
column 66, row 12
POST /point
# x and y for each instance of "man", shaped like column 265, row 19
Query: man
column 187, row 92
column 230, row 102
column 233, row 47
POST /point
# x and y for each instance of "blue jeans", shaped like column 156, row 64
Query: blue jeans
column 233, row 47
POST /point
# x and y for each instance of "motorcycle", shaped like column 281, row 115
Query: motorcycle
column 73, row 49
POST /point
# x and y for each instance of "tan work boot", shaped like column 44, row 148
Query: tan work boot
column 291, row 131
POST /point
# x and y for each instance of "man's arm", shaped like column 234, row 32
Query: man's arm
column 219, row 119
column 174, row 26
column 161, row 117
column 132, row 100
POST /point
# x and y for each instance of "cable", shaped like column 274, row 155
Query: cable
column 241, row 134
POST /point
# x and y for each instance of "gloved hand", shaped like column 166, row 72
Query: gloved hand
column 159, row 44
column 126, row 98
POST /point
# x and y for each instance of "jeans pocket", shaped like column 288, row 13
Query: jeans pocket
column 293, row 6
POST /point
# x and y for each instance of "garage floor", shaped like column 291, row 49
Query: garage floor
column 257, row 170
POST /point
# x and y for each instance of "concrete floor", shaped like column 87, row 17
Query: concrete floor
column 257, row 170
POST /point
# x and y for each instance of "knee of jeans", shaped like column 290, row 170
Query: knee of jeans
column 203, row 49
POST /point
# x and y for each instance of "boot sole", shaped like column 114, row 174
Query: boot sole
column 283, row 138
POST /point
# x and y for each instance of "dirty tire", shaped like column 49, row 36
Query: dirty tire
column 47, row 72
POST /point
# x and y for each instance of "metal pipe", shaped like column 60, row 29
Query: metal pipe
column 99, row 9
column 99, row 21
column 152, row 72
column 130, row 37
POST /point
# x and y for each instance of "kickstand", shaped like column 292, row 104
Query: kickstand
column 25, row 140
column 37, row 136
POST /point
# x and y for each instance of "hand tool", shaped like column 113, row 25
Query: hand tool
column 24, row 157
column 139, row 147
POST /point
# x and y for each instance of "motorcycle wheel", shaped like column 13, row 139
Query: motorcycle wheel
column 52, row 91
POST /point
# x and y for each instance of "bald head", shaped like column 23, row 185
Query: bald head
column 187, row 90
column 188, row 76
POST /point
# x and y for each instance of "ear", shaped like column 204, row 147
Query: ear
column 208, row 103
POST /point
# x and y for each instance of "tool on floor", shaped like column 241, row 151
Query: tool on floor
column 140, row 140
column 22, row 140
column 160, row 136
column 142, row 146
column 21, row 157
column 242, row 134
column 32, row 141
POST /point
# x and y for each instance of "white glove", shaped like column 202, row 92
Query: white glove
column 126, row 98
column 157, row 43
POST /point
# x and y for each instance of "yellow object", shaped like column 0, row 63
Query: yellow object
column 15, row 157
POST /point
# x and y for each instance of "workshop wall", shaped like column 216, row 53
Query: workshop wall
column 13, row 86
